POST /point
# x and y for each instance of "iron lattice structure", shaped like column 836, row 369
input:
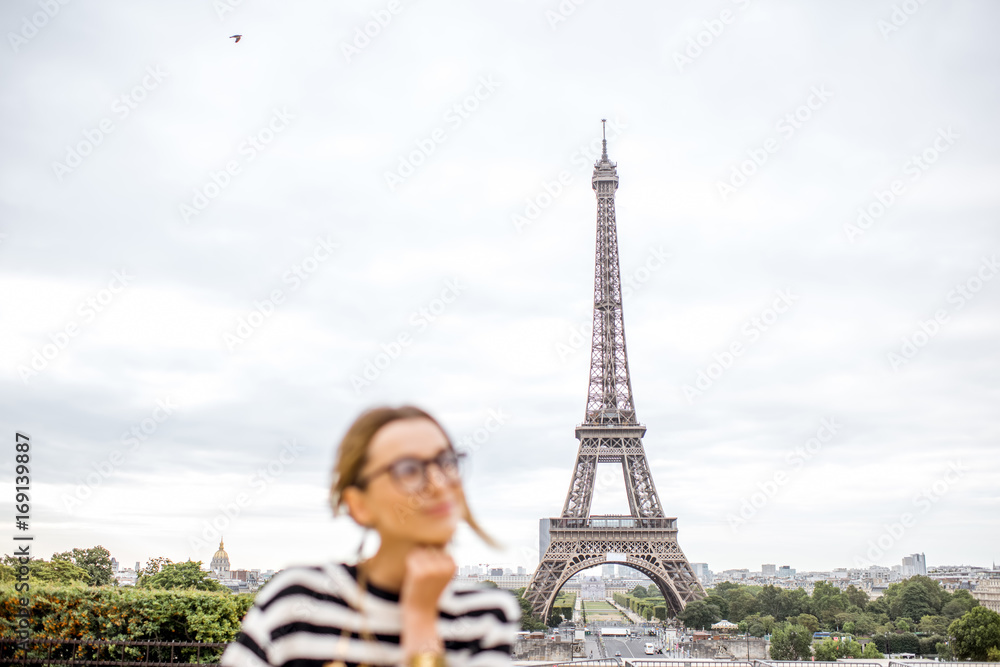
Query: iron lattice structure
column 610, row 433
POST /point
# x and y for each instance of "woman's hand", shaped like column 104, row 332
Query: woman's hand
column 428, row 571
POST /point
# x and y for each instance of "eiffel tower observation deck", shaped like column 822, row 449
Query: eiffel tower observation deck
column 645, row 539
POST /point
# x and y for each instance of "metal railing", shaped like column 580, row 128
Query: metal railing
column 812, row 663
column 661, row 523
column 107, row 653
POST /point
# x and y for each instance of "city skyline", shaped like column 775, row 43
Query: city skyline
column 214, row 255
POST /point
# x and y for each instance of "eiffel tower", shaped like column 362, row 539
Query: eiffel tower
column 645, row 539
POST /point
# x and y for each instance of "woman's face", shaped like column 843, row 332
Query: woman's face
column 423, row 516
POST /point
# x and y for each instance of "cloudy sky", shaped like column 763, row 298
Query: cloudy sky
column 214, row 255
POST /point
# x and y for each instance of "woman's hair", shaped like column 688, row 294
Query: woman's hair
column 353, row 454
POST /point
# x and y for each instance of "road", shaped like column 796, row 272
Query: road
column 629, row 648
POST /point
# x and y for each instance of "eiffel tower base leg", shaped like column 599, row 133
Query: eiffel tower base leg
column 650, row 549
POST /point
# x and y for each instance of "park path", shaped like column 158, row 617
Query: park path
column 631, row 615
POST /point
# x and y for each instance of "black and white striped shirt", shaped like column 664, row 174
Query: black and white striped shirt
column 307, row 616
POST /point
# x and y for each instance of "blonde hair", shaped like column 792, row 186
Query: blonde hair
column 352, row 454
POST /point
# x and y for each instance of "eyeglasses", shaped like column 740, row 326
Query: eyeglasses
column 410, row 473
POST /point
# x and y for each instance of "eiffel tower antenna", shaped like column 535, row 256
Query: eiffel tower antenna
column 645, row 539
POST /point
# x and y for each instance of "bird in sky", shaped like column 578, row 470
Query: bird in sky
column 236, row 37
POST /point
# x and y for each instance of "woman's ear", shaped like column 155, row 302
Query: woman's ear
column 357, row 506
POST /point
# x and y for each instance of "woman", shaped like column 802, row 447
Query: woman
column 397, row 473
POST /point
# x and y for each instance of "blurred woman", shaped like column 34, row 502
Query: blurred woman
column 397, row 474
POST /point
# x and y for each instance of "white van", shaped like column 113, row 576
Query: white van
column 650, row 648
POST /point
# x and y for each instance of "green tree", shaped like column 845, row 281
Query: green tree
column 808, row 621
column 182, row 575
column 961, row 603
column 59, row 572
column 555, row 618
column 95, row 560
column 639, row 592
column 757, row 625
column 916, row 601
column 791, row 642
column 835, row 649
column 934, row 625
column 865, row 624
column 529, row 621
column 856, row 597
column 772, row 601
column 720, row 603
column 827, row 602
column 700, row 614
column 975, row 634
column 871, row 652
column 654, row 591
column 489, row 584
column 154, row 565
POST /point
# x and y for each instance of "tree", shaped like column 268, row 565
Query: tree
column 154, row 565
column 182, row 575
column 59, row 572
column 835, row 649
column 95, row 560
column 529, row 621
column 700, row 614
column 961, row 603
column 490, row 584
column 757, row 625
column 827, row 602
column 871, row 652
column 791, row 642
column 654, row 591
column 639, row 592
column 555, row 618
column 856, row 597
column 808, row 621
column 934, row 625
column 720, row 603
column 975, row 634
column 771, row 601
column 916, row 601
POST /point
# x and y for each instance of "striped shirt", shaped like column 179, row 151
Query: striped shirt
column 306, row 616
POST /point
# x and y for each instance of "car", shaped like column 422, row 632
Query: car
column 618, row 654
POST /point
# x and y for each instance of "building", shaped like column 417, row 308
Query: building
column 987, row 592
column 702, row 572
column 768, row 570
column 785, row 572
column 220, row 563
column 592, row 588
column 913, row 565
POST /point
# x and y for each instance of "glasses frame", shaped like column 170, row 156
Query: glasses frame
column 459, row 456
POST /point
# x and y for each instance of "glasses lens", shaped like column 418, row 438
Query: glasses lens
column 409, row 473
column 450, row 463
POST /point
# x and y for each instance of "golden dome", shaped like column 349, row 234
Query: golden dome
column 221, row 553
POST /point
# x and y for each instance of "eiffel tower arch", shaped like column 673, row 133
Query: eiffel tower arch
column 644, row 539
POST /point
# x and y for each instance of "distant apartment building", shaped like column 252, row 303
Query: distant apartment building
column 702, row 572
column 768, row 570
column 987, row 592
column 785, row 572
column 913, row 565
